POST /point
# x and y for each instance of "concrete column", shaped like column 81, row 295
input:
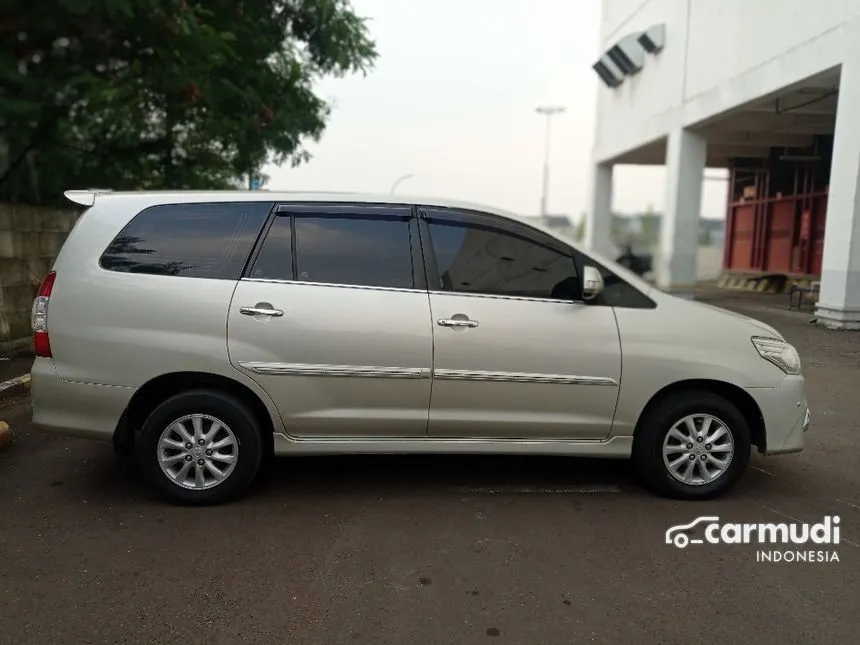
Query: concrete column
column 598, row 220
column 838, row 305
column 679, row 230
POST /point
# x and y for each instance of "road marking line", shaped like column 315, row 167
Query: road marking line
column 842, row 501
column 807, row 489
column 799, row 521
column 762, row 470
column 5, row 434
column 773, row 510
column 535, row 490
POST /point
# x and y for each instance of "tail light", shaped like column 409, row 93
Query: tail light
column 39, row 316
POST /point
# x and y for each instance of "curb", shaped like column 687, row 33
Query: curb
column 5, row 435
column 8, row 390
column 15, row 387
column 756, row 283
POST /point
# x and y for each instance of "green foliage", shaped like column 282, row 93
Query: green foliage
column 146, row 94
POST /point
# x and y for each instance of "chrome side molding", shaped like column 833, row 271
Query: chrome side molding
column 360, row 371
column 522, row 377
column 373, row 371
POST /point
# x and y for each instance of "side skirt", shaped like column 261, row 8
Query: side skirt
column 612, row 448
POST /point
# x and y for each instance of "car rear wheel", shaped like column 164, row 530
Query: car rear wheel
column 692, row 445
column 200, row 447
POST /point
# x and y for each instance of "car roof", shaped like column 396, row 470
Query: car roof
column 87, row 197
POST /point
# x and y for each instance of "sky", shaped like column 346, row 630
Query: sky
column 451, row 101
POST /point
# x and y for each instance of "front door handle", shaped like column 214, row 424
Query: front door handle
column 455, row 322
column 261, row 309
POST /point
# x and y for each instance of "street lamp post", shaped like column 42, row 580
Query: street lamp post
column 399, row 180
column 548, row 111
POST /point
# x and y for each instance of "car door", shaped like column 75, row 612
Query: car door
column 517, row 353
column 332, row 320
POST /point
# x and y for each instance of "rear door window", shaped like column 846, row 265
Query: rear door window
column 349, row 247
column 275, row 258
column 211, row 240
column 368, row 252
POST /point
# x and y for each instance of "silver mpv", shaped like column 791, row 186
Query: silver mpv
column 201, row 332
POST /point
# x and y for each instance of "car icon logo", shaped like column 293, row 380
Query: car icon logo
column 677, row 535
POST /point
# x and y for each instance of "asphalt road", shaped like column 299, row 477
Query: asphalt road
column 432, row 550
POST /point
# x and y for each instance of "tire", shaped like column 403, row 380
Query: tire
column 652, row 437
column 123, row 448
column 239, row 436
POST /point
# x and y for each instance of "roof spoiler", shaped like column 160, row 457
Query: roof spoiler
column 86, row 197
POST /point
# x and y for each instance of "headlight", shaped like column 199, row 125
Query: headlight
column 778, row 352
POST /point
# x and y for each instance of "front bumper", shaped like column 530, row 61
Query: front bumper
column 786, row 415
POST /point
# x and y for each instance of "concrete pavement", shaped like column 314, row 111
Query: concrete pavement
column 432, row 549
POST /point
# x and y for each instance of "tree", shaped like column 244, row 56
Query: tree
column 145, row 94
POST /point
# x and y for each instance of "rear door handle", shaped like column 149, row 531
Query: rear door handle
column 453, row 322
column 260, row 311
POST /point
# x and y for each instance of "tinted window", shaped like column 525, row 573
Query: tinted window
column 188, row 240
column 354, row 250
column 617, row 293
column 473, row 259
column 275, row 260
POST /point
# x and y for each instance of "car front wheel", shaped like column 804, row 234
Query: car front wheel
column 200, row 448
column 692, row 445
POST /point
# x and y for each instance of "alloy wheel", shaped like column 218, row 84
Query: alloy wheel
column 197, row 451
column 698, row 449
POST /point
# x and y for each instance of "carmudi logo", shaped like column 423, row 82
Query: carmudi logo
column 822, row 536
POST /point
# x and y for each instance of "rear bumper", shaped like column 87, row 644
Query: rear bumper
column 75, row 409
column 786, row 415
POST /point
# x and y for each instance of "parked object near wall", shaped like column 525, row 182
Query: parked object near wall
column 639, row 263
column 30, row 239
column 777, row 213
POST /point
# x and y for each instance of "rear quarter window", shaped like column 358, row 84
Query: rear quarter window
column 211, row 240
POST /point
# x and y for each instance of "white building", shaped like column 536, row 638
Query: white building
column 767, row 88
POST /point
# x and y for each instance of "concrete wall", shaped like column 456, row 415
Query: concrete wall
column 30, row 239
column 709, row 262
column 729, row 37
column 718, row 55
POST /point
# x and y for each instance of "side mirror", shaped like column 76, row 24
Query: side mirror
column 592, row 282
